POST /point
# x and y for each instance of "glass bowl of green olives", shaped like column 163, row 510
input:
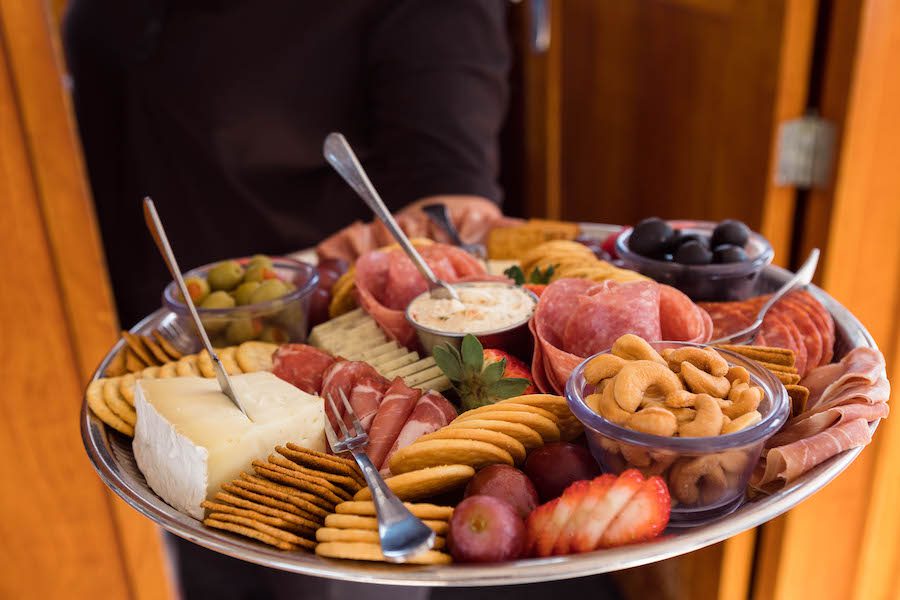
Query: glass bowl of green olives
column 243, row 299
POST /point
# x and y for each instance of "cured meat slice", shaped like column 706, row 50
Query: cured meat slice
column 810, row 425
column 823, row 319
column 812, row 338
column 431, row 412
column 365, row 397
column 343, row 376
column 555, row 307
column 611, row 309
column 782, row 333
column 387, row 281
column 396, row 406
column 302, row 366
column 679, row 318
column 859, row 366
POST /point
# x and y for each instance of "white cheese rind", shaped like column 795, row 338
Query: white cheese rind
column 189, row 438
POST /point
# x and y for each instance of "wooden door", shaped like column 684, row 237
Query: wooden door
column 64, row 534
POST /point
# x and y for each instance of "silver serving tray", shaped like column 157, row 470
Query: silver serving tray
column 110, row 453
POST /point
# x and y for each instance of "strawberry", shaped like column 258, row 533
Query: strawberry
column 609, row 244
column 643, row 518
column 482, row 376
column 536, row 288
column 607, row 511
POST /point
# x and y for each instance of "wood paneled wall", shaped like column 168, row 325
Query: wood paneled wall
column 64, row 534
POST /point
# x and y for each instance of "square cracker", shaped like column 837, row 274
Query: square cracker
column 290, row 523
column 250, row 533
column 263, row 487
column 313, row 459
column 283, row 510
column 350, row 484
column 314, row 485
column 284, row 536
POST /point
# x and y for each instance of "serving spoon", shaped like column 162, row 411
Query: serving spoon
column 801, row 279
column 154, row 224
column 440, row 216
column 340, row 155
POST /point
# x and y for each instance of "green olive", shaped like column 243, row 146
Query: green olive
column 268, row 290
column 243, row 292
column 274, row 335
column 218, row 299
column 242, row 330
column 197, row 288
column 260, row 260
column 225, row 275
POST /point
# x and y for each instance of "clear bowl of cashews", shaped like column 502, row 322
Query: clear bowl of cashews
column 694, row 415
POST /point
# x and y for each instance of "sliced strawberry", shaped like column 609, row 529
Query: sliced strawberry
column 588, row 537
column 644, row 517
column 565, row 508
column 597, row 490
column 536, row 525
column 536, row 288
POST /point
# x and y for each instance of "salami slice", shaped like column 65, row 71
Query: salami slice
column 823, row 320
column 302, row 366
column 781, row 333
column 809, row 330
column 679, row 318
column 343, row 376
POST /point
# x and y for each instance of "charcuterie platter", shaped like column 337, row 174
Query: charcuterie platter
column 664, row 517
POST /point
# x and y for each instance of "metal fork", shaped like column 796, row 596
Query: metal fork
column 402, row 535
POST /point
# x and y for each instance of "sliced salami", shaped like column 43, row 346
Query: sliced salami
column 302, row 366
column 679, row 318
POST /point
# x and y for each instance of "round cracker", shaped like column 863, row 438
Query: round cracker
column 529, row 438
column 433, row 453
column 569, row 425
column 515, row 448
column 126, row 387
column 117, row 403
column 227, row 356
column 424, row 483
column 255, row 356
column 148, row 373
column 473, row 414
column 167, row 346
column 545, row 427
column 342, row 521
column 366, row 508
column 187, row 366
column 154, row 348
column 330, row 534
column 205, row 363
column 372, row 552
column 94, row 395
column 168, row 370
column 137, row 346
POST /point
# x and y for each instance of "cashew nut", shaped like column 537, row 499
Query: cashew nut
column 648, row 402
column 687, row 476
column 633, row 347
column 636, row 456
column 701, row 382
column 745, row 401
column 737, row 373
column 637, row 377
column 683, row 415
column 705, row 359
column 653, row 420
column 733, row 461
column 605, row 405
column 736, row 388
column 708, row 420
column 660, row 462
column 742, row 422
column 681, row 399
column 602, row 367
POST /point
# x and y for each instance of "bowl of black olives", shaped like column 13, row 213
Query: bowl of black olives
column 243, row 299
column 705, row 260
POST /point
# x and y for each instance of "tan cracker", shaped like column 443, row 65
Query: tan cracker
column 372, row 552
column 424, row 483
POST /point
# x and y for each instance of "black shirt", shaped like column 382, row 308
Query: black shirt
column 218, row 110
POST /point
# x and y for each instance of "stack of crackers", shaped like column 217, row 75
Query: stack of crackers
column 507, row 243
column 501, row 433
column 112, row 398
column 141, row 352
column 571, row 259
column 780, row 362
column 287, row 499
column 351, row 532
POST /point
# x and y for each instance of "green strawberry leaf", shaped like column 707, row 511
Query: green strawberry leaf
column 515, row 273
column 508, row 388
column 449, row 364
column 542, row 277
column 493, row 372
column 472, row 353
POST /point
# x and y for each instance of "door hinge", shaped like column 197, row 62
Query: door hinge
column 805, row 152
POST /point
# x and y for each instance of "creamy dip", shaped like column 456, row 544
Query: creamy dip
column 482, row 307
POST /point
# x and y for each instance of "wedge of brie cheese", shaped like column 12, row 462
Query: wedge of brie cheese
column 190, row 438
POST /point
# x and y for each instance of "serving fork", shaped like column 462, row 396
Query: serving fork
column 402, row 535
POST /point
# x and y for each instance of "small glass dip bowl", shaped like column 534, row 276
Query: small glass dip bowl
column 707, row 476
column 513, row 337
column 283, row 319
column 714, row 282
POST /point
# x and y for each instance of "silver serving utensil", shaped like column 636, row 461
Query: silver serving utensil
column 440, row 216
column 340, row 155
column 401, row 533
column 801, row 279
column 151, row 217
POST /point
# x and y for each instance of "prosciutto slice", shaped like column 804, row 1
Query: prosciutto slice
column 844, row 399
column 576, row 318
column 302, row 366
column 396, row 406
column 431, row 412
column 387, row 281
column 365, row 398
column 343, row 376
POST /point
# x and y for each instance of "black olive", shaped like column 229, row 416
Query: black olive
column 729, row 253
column 651, row 237
column 693, row 253
column 682, row 238
column 732, row 232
